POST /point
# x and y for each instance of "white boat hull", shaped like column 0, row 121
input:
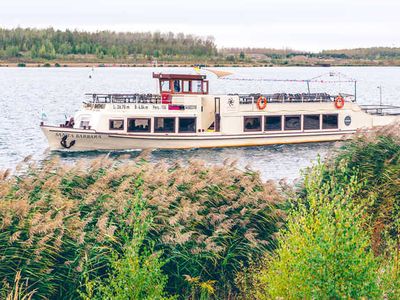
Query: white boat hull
column 69, row 139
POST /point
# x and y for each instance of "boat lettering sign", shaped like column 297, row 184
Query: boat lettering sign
column 151, row 107
column 79, row 135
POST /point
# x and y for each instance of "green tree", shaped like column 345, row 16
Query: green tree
column 324, row 253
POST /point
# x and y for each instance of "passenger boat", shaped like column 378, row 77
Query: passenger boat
column 185, row 115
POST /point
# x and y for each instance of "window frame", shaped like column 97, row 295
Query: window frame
column 252, row 130
column 196, row 83
column 314, row 115
column 168, row 86
column 139, row 118
column 179, row 124
column 273, row 116
column 155, row 123
column 292, row 116
column 112, row 120
column 337, row 121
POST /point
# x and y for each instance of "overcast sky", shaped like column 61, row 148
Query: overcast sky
column 302, row 24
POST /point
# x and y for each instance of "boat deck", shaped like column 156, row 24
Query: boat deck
column 243, row 98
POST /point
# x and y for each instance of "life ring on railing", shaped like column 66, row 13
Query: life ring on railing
column 262, row 102
column 339, row 102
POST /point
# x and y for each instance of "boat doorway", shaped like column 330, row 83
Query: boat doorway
column 217, row 120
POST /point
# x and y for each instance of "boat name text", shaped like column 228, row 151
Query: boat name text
column 79, row 135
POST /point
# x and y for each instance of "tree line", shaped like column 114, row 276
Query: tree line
column 50, row 44
column 357, row 53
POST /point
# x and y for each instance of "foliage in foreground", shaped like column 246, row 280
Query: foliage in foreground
column 346, row 210
column 375, row 157
column 136, row 271
column 324, row 253
column 64, row 226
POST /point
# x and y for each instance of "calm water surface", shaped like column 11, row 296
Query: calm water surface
column 27, row 92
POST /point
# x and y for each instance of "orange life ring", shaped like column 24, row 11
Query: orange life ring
column 262, row 102
column 339, row 102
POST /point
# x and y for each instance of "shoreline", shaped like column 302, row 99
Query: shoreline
column 72, row 64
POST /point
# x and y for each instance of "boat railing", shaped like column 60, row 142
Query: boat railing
column 284, row 97
column 381, row 109
column 124, row 98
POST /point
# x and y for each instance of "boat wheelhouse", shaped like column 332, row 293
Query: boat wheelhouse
column 185, row 115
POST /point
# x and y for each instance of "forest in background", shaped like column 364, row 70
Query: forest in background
column 30, row 46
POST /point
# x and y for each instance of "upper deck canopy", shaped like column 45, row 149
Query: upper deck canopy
column 182, row 83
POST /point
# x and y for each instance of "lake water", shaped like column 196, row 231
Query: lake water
column 58, row 92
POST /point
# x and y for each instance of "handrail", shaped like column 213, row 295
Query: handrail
column 283, row 97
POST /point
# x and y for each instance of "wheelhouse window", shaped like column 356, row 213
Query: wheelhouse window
column 164, row 124
column 177, row 86
column 139, row 125
column 292, row 122
column 186, row 86
column 116, row 124
column 205, row 86
column 252, row 123
column 330, row 121
column 197, row 86
column 165, row 86
column 187, row 125
column 273, row 123
column 311, row 122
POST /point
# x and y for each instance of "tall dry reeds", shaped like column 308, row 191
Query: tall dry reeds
column 60, row 223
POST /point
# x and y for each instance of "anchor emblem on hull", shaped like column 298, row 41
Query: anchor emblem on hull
column 64, row 143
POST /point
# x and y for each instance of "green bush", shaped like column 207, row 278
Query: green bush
column 324, row 253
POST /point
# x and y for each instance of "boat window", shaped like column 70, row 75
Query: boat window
column 164, row 124
column 84, row 124
column 330, row 121
column 196, row 86
column 252, row 123
column 165, row 86
column 205, row 87
column 116, row 124
column 186, row 86
column 292, row 123
column 187, row 124
column 177, row 86
column 139, row 125
column 273, row 123
column 311, row 122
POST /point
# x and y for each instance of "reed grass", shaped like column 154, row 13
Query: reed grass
column 61, row 224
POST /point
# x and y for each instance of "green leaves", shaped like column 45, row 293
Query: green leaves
column 324, row 253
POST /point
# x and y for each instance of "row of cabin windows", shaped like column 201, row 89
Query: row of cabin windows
column 291, row 122
column 161, row 125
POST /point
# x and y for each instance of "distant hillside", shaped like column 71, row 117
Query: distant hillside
column 365, row 53
column 51, row 44
column 345, row 57
column 358, row 53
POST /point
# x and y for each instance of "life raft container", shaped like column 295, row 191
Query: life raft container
column 262, row 102
column 339, row 102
